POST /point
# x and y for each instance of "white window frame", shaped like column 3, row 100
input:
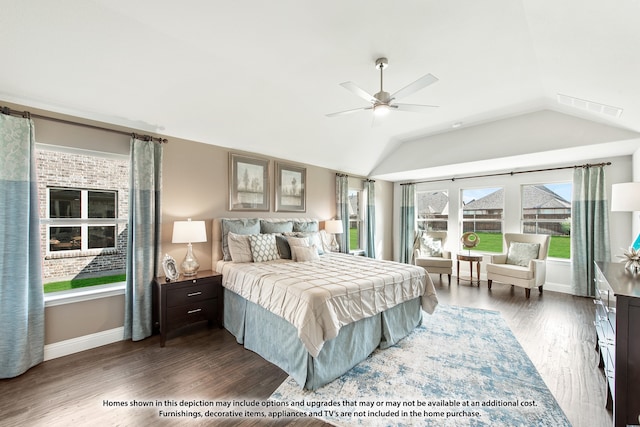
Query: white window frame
column 359, row 220
column 501, row 221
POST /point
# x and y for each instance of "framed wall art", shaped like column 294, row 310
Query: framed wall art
column 248, row 183
column 291, row 191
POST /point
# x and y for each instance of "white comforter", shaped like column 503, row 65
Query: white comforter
column 319, row 297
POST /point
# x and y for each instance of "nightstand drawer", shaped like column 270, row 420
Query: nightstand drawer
column 188, row 294
column 189, row 313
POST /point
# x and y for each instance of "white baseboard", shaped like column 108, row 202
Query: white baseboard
column 558, row 287
column 86, row 342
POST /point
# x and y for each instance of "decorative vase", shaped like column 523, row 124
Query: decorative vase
column 631, row 259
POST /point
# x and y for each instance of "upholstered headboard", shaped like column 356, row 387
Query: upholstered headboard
column 216, row 234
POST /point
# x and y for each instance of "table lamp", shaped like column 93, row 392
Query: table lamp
column 189, row 232
column 625, row 197
column 333, row 227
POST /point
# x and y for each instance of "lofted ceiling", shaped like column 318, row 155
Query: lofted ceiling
column 260, row 76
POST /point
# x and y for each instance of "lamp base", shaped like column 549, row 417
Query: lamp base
column 334, row 247
column 190, row 264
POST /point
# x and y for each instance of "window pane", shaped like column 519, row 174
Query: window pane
column 102, row 204
column 64, row 238
column 482, row 212
column 64, row 203
column 433, row 210
column 102, row 237
column 546, row 209
column 354, row 220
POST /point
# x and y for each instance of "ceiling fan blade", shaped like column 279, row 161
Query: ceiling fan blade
column 343, row 113
column 352, row 87
column 421, row 83
column 413, row 107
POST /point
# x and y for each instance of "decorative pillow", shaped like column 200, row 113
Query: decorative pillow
column 430, row 247
column 305, row 253
column 267, row 227
column 520, row 253
column 283, row 246
column 263, row 247
column 239, row 247
column 314, row 240
column 297, row 241
column 306, row 226
column 238, row 226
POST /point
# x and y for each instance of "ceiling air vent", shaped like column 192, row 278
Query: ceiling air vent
column 591, row 106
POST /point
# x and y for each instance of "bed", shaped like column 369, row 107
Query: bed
column 315, row 318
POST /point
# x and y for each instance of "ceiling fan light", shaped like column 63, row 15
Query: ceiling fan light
column 381, row 110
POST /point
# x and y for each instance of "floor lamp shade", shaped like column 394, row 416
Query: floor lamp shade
column 189, row 232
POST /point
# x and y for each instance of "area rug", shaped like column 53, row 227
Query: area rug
column 462, row 367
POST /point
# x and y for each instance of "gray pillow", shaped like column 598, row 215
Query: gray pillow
column 430, row 247
column 283, row 246
column 268, row 227
column 237, row 226
column 521, row 253
column 306, row 226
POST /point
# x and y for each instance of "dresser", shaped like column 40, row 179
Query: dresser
column 618, row 329
column 187, row 300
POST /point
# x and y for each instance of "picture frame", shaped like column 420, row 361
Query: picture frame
column 248, row 183
column 170, row 268
column 291, row 188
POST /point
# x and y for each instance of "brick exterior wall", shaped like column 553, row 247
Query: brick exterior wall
column 80, row 171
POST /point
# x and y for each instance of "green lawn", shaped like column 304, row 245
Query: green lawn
column 560, row 246
column 82, row 283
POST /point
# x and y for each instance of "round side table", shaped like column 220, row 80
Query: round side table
column 471, row 258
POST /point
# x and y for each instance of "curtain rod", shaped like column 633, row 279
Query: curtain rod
column 28, row 115
column 586, row 165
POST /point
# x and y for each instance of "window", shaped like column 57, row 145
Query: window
column 546, row 209
column 355, row 220
column 80, row 220
column 482, row 213
column 433, row 210
column 84, row 205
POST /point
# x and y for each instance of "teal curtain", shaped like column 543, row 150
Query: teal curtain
column 21, row 292
column 342, row 209
column 407, row 222
column 370, row 220
column 589, row 227
column 143, row 250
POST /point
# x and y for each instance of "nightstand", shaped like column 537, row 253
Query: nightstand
column 187, row 300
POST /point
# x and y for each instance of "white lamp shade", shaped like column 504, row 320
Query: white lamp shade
column 189, row 232
column 333, row 226
column 625, row 197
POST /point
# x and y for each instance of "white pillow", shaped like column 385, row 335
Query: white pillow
column 305, row 253
column 263, row 247
column 297, row 241
column 239, row 247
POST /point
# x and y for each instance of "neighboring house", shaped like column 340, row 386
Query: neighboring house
column 84, row 206
column 538, row 202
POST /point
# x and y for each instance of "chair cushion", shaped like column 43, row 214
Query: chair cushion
column 430, row 247
column 520, row 253
column 434, row 262
column 515, row 271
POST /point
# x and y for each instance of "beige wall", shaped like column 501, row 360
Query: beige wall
column 195, row 185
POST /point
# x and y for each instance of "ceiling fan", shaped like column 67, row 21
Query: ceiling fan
column 383, row 102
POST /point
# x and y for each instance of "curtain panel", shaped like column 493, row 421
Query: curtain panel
column 342, row 209
column 370, row 220
column 21, row 292
column 589, row 227
column 407, row 222
column 143, row 250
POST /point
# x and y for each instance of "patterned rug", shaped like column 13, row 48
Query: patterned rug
column 463, row 367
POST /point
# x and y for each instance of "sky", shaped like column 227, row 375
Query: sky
column 562, row 189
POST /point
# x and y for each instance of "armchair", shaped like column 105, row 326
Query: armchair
column 524, row 264
column 431, row 255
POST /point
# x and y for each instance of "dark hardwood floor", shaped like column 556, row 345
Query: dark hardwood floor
column 556, row 331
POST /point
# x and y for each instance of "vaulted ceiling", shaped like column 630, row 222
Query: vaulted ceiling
column 260, row 76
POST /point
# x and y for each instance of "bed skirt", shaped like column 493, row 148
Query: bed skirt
column 276, row 340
